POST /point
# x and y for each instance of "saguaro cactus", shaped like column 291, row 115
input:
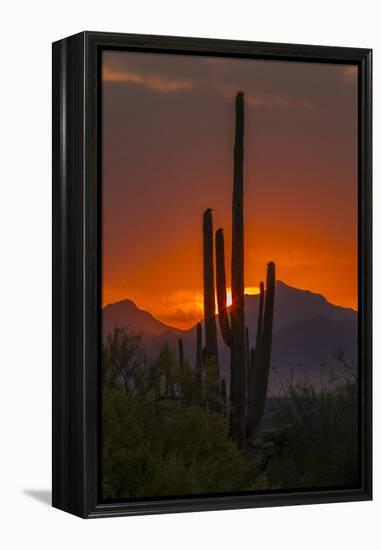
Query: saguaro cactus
column 262, row 356
column 209, row 290
column 249, row 368
column 234, row 332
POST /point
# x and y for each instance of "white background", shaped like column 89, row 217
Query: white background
column 27, row 30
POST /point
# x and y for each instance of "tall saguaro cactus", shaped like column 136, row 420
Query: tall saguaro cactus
column 237, row 312
column 209, row 290
column 233, row 332
column 249, row 368
column 262, row 355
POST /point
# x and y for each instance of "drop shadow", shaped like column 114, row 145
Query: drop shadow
column 42, row 495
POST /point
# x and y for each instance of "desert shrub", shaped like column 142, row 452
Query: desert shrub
column 165, row 433
column 312, row 441
column 160, row 436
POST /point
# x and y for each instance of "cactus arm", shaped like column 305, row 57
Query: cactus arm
column 223, row 316
column 247, row 349
column 209, row 290
column 260, row 315
column 263, row 355
column 268, row 318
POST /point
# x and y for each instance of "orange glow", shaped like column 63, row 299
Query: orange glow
column 180, row 309
column 252, row 290
column 168, row 130
column 248, row 290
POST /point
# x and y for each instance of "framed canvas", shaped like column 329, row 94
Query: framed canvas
column 211, row 274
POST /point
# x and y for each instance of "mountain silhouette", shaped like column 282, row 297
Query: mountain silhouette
column 127, row 314
column 307, row 331
column 293, row 305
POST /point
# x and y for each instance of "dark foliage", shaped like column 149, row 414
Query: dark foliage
column 312, row 440
column 161, row 434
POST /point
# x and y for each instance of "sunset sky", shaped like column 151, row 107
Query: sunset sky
column 168, row 130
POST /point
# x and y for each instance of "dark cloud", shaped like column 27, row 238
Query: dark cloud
column 266, row 83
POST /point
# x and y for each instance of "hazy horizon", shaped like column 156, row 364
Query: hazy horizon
column 147, row 310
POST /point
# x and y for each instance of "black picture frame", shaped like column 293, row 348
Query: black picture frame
column 76, row 270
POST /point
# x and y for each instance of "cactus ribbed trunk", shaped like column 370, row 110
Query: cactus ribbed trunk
column 209, row 290
column 263, row 355
column 260, row 315
column 237, row 310
column 247, row 349
column 223, row 315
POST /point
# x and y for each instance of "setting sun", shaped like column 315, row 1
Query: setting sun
column 248, row 290
column 251, row 290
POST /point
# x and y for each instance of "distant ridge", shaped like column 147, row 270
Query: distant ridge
column 127, row 314
column 307, row 330
column 292, row 305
